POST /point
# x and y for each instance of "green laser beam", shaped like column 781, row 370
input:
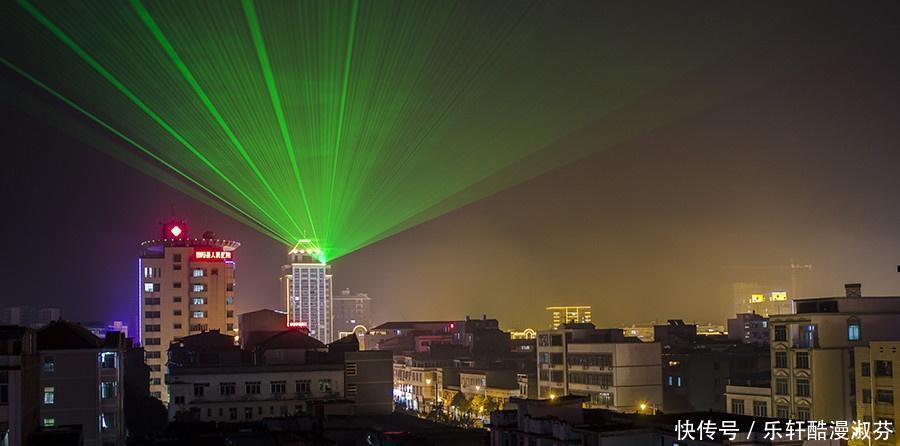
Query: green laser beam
column 345, row 121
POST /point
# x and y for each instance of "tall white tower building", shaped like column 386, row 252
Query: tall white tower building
column 306, row 287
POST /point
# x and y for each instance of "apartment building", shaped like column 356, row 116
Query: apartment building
column 877, row 384
column 613, row 371
column 814, row 369
column 19, row 391
column 210, row 379
column 82, row 382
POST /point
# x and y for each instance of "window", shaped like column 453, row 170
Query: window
column 229, row 300
column 350, row 368
column 781, row 386
column 151, row 301
column 200, row 389
column 155, row 368
column 176, row 326
column 151, row 327
column 108, row 360
column 781, row 333
column 108, row 390
column 198, row 314
column 176, row 258
column 737, row 406
column 279, row 387
column 556, row 340
column 49, row 364
column 802, row 387
column 229, row 313
column 229, row 287
column 232, row 413
column 229, row 327
column 156, row 381
column 176, row 312
column 151, row 287
column 543, row 340
column 4, row 393
column 802, row 360
column 782, row 412
column 198, row 301
column 760, row 409
column 176, row 267
column 248, row 413
column 303, row 386
column 198, row 272
column 49, row 395
column 199, row 287
column 227, row 389
column 853, row 332
column 781, row 360
column 176, row 284
column 884, row 396
column 176, row 299
column 252, row 387
column 884, row 368
column 803, row 413
column 865, row 369
column 151, row 314
column 48, row 422
column 867, row 396
column 151, row 341
column 351, row 390
column 325, row 385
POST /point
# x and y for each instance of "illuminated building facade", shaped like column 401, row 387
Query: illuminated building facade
column 578, row 314
column 186, row 287
column 306, row 287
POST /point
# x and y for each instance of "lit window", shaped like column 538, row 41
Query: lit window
column 107, row 421
column 198, row 272
column 49, row 395
column 229, row 300
column 148, row 287
column 198, row 314
column 48, row 422
column 853, row 331
column 198, row 301
column 49, row 364
column 108, row 359
column 199, row 287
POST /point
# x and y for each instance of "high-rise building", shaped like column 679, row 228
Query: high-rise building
column 352, row 312
column 578, row 314
column 816, row 351
column 186, row 287
column 306, row 287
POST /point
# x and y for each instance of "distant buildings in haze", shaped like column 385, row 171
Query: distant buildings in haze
column 32, row 316
column 579, row 314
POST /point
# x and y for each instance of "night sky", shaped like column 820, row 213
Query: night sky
column 804, row 164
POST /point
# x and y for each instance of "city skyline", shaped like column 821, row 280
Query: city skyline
column 792, row 166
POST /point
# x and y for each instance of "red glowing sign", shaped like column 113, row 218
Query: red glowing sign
column 174, row 230
column 297, row 324
column 208, row 255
